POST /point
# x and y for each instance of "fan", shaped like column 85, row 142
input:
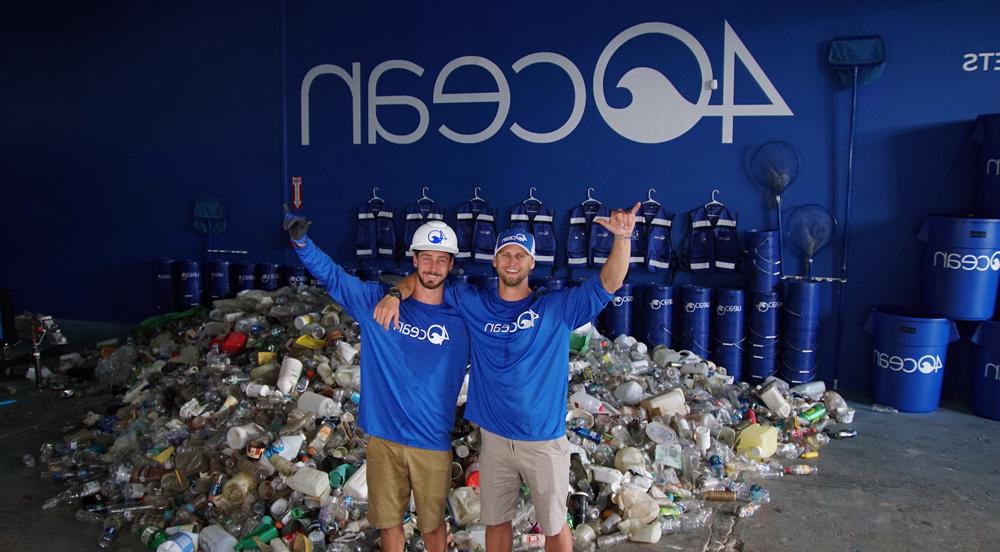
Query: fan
column 811, row 227
column 774, row 166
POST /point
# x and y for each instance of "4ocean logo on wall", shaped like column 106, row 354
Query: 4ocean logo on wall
column 658, row 111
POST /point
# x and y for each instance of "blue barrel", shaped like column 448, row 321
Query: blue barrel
column 988, row 170
column 961, row 267
column 801, row 304
column 761, row 364
column 165, row 290
column 729, row 331
column 659, row 315
column 295, row 275
column 617, row 315
column 696, row 319
column 908, row 358
column 190, row 288
column 764, row 309
column 218, row 280
column 246, row 276
column 269, row 276
column 457, row 278
column 371, row 274
column 762, row 260
column 986, row 371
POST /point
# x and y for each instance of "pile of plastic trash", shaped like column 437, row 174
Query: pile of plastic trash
column 235, row 429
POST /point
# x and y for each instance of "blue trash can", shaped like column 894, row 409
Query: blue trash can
column 908, row 355
column 986, row 371
column 659, row 315
column 617, row 315
column 961, row 267
column 218, row 281
column 190, row 284
column 987, row 133
column 269, row 276
column 165, row 289
column 295, row 275
column 246, row 276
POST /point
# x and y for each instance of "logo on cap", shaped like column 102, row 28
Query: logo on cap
column 436, row 236
column 516, row 237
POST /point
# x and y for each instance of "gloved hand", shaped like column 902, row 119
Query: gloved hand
column 297, row 226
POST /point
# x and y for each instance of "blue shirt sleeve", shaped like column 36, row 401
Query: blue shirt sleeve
column 461, row 297
column 586, row 301
column 358, row 298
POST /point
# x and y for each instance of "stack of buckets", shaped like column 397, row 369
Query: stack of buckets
column 180, row 283
column 801, row 338
column 659, row 319
column 730, row 333
column 763, row 270
column 696, row 320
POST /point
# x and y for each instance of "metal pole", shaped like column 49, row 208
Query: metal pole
column 847, row 232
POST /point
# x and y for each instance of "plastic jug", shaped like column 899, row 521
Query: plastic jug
column 757, row 441
column 318, row 405
column 291, row 369
column 309, row 481
column 215, row 538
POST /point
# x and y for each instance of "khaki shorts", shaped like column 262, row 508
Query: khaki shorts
column 543, row 465
column 393, row 471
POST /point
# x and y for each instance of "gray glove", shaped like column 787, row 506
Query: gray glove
column 297, row 226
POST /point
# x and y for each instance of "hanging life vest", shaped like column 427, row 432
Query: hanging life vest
column 712, row 242
column 476, row 229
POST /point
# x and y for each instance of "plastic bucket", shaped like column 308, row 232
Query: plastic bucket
column 246, row 276
column 729, row 357
column 908, row 358
column 658, row 313
column 218, row 280
column 729, row 311
column 762, row 260
column 764, row 314
column 988, row 169
column 696, row 319
column 801, row 304
column 760, row 366
column 986, row 371
column 961, row 267
column 190, row 284
column 617, row 315
column 295, row 275
column 165, row 289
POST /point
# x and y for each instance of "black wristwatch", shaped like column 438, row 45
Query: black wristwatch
column 394, row 292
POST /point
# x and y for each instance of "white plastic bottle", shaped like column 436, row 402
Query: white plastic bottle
column 215, row 538
column 309, row 481
column 318, row 405
column 238, row 436
column 181, row 541
column 291, row 369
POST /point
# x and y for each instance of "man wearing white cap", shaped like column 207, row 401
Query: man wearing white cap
column 518, row 383
column 411, row 378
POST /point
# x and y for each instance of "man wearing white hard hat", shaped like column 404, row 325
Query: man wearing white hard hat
column 410, row 377
column 518, row 384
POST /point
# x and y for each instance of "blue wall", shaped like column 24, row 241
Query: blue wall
column 117, row 117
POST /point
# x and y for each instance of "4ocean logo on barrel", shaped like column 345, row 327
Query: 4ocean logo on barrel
column 995, row 368
column 927, row 364
column 968, row 262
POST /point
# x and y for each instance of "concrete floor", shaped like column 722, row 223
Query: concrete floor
column 907, row 482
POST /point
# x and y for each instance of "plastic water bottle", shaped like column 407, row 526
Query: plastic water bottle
column 614, row 539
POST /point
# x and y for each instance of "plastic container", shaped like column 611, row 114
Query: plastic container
column 617, row 315
column 165, row 285
column 961, row 266
column 757, row 441
column 181, row 541
column 658, row 315
column 318, row 405
column 238, row 436
column 986, row 371
column 270, row 279
column 309, row 481
column 189, row 276
column 987, row 134
column 762, row 260
column 764, row 314
column 291, row 369
column 696, row 318
column 215, row 538
column 908, row 358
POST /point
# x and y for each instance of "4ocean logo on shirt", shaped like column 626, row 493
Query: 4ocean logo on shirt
column 436, row 334
column 524, row 321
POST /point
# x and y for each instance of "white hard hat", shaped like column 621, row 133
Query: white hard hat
column 435, row 236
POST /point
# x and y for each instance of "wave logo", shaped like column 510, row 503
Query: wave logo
column 516, row 237
column 927, row 364
column 691, row 307
column 958, row 261
column 436, row 334
column 190, row 275
column 765, row 306
column 268, row 277
column 724, row 309
column 525, row 320
column 619, row 301
column 655, row 304
column 436, row 236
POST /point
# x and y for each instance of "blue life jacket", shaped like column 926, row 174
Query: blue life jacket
column 653, row 244
column 712, row 241
column 581, row 243
column 476, row 230
column 537, row 219
column 376, row 234
column 601, row 240
column 417, row 214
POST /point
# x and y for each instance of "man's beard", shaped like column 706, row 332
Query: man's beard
column 512, row 281
column 429, row 286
